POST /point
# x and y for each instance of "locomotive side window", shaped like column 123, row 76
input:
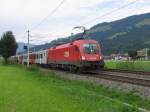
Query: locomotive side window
column 40, row 56
column 91, row 48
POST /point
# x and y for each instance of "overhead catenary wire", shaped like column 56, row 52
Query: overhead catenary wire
column 37, row 37
column 50, row 14
column 44, row 19
column 109, row 13
column 106, row 14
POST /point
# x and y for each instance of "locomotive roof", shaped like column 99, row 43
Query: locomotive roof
column 77, row 42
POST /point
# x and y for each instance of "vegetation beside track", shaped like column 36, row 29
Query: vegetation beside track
column 1, row 59
column 128, row 65
column 30, row 90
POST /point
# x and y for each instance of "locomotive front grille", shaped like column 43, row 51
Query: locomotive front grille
column 90, row 63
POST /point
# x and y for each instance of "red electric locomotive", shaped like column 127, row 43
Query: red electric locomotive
column 77, row 55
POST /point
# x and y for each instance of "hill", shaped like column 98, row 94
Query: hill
column 131, row 33
column 122, row 35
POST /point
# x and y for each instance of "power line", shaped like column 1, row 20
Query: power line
column 50, row 14
column 109, row 13
column 45, row 36
column 106, row 14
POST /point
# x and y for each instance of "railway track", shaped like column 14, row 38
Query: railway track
column 128, row 71
column 136, row 81
column 127, row 74
column 128, row 77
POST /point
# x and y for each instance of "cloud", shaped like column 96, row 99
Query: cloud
column 20, row 15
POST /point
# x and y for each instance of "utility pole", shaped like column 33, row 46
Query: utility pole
column 147, row 54
column 28, row 49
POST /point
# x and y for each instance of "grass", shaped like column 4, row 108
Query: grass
column 1, row 60
column 30, row 90
column 129, row 65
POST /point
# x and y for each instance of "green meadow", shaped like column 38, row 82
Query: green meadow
column 128, row 65
column 31, row 90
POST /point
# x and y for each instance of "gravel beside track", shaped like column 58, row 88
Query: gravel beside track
column 128, row 71
column 127, row 74
column 123, row 86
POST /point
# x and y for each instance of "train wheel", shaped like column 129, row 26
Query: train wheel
column 80, row 70
column 73, row 69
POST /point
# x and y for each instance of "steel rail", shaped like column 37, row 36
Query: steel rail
column 125, row 79
column 128, row 71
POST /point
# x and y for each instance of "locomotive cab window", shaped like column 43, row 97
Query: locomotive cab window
column 91, row 48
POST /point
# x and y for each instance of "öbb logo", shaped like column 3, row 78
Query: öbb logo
column 66, row 54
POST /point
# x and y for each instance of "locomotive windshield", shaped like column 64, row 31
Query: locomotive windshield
column 91, row 48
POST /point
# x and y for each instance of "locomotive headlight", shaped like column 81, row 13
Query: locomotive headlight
column 100, row 57
column 83, row 57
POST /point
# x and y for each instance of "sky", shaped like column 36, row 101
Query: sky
column 22, row 15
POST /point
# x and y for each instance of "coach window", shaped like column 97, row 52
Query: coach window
column 41, row 56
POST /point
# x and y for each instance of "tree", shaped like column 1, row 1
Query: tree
column 132, row 54
column 8, row 45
